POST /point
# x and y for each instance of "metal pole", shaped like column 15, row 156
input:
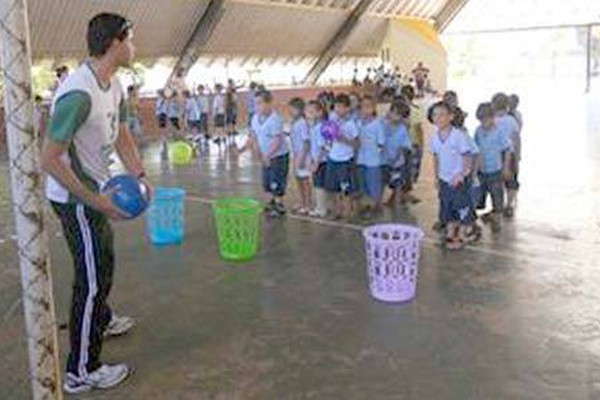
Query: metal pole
column 588, row 54
column 36, row 280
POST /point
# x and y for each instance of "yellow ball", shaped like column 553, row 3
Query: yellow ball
column 180, row 153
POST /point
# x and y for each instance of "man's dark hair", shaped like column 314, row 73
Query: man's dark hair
column 343, row 99
column 265, row 95
column 103, row 29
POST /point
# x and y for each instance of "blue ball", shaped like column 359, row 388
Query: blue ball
column 127, row 194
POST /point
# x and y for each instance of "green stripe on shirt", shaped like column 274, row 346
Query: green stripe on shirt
column 71, row 111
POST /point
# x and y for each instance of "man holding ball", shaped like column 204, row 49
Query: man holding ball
column 88, row 123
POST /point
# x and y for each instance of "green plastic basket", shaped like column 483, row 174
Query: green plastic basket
column 238, row 221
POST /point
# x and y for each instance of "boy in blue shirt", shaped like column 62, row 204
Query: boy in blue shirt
column 453, row 164
column 397, row 150
column 494, row 148
column 272, row 147
column 510, row 130
column 369, row 159
column 341, row 173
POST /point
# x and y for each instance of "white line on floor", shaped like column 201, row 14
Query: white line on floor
column 427, row 240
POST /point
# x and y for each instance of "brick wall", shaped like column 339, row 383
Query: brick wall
column 150, row 127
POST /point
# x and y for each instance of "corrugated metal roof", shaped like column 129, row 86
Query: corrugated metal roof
column 248, row 27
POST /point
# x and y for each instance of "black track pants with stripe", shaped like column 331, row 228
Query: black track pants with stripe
column 90, row 239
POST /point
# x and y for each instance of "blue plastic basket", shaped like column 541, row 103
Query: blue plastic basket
column 166, row 221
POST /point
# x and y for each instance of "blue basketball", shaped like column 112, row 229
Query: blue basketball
column 129, row 195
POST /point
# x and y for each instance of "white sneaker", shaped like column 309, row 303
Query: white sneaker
column 105, row 377
column 118, row 326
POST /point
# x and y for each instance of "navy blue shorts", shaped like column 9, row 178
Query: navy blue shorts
column 455, row 203
column 371, row 182
column 162, row 120
column 276, row 174
column 194, row 124
column 340, row 177
column 319, row 176
column 219, row 121
column 491, row 184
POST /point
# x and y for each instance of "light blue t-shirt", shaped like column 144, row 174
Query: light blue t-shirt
column 449, row 153
column 267, row 129
column 299, row 135
column 341, row 152
column 161, row 106
column 509, row 128
column 372, row 141
column 473, row 148
column 174, row 108
column 492, row 143
column 317, row 143
column 192, row 113
column 396, row 138
column 250, row 102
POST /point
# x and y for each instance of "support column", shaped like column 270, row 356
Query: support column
column 25, row 173
column 335, row 46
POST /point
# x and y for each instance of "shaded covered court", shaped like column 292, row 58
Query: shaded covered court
column 515, row 316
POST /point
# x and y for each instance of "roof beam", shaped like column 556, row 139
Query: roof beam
column 448, row 13
column 202, row 33
column 335, row 46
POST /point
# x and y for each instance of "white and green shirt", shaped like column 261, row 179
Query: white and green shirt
column 85, row 115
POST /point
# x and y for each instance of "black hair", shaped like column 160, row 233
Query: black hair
column 439, row 104
column 400, row 107
column 319, row 105
column 298, row 104
column 408, row 92
column 514, row 99
column 130, row 88
column 253, row 85
column 103, row 29
column 38, row 98
column 500, row 102
column 485, row 110
column 265, row 95
column 343, row 99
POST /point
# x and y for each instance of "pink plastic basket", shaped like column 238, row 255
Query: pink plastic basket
column 393, row 252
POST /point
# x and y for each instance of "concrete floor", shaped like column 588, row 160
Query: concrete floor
column 515, row 317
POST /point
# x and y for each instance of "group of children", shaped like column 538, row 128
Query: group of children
column 206, row 115
column 471, row 168
column 345, row 157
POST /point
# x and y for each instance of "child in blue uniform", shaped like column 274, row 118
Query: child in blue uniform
column 341, row 173
column 300, row 137
column 315, row 115
column 369, row 158
column 494, row 148
column 396, row 150
column 451, row 150
column 510, row 128
column 272, row 147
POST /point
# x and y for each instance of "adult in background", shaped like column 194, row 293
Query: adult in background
column 88, row 123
